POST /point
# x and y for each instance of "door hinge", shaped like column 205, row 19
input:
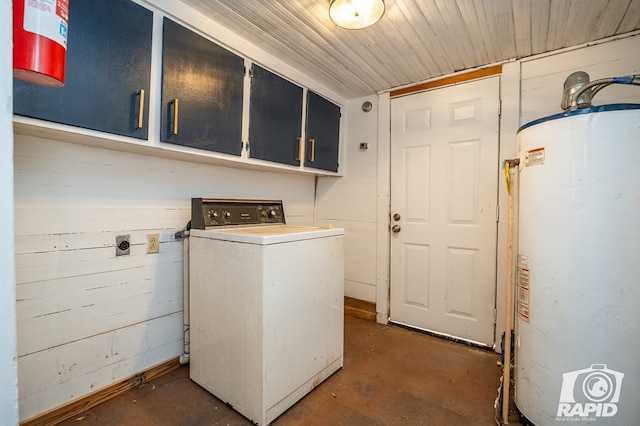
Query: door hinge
column 499, row 107
column 497, row 213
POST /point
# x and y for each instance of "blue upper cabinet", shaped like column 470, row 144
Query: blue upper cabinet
column 275, row 118
column 107, row 73
column 322, row 133
column 202, row 86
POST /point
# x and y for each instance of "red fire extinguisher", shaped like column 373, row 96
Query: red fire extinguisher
column 40, row 40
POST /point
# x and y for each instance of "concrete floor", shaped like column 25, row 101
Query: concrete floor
column 391, row 376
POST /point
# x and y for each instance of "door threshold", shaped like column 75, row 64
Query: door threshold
column 466, row 342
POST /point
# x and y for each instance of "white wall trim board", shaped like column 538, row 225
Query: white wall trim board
column 383, row 207
column 8, row 361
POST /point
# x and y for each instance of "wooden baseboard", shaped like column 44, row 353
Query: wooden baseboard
column 80, row 405
column 360, row 308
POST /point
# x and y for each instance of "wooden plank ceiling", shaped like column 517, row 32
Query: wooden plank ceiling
column 417, row 39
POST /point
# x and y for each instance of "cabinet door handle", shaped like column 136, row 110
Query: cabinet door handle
column 175, row 117
column 299, row 148
column 140, row 109
column 312, row 155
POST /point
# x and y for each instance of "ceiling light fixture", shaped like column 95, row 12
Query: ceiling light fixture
column 356, row 14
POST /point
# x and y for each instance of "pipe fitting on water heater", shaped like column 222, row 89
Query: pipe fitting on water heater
column 579, row 91
column 572, row 84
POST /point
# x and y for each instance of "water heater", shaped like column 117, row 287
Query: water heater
column 577, row 347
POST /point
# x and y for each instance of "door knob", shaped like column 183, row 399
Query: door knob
column 395, row 229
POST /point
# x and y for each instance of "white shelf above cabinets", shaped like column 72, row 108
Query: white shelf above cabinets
column 26, row 126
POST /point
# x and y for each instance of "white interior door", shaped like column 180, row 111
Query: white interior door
column 444, row 191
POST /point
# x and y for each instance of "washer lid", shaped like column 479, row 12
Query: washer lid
column 265, row 235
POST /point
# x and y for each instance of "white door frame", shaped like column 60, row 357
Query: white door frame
column 508, row 126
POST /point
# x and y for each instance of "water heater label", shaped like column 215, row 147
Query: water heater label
column 534, row 157
column 522, row 284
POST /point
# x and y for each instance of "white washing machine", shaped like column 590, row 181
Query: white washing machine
column 267, row 305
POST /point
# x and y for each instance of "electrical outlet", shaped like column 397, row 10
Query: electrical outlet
column 123, row 245
column 153, row 243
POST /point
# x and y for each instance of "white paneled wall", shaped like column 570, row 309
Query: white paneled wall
column 351, row 202
column 85, row 317
column 543, row 78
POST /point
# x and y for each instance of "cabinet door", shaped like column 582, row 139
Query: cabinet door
column 275, row 118
column 201, row 92
column 108, row 63
column 323, row 133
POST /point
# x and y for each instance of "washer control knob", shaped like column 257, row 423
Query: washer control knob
column 213, row 214
column 271, row 213
column 227, row 215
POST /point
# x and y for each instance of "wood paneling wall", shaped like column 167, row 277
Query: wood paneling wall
column 86, row 318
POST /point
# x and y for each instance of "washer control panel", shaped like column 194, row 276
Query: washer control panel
column 211, row 212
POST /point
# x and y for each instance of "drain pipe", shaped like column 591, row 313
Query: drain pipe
column 184, row 236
